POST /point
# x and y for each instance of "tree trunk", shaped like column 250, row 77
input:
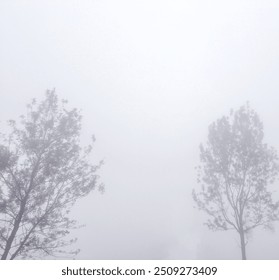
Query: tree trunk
column 14, row 230
column 11, row 238
column 243, row 245
column 20, row 214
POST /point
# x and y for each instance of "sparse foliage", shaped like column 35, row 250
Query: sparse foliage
column 236, row 168
column 43, row 171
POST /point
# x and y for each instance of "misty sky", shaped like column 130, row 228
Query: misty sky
column 149, row 77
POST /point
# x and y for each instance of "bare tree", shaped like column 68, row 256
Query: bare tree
column 236, row 168
column 43, row 171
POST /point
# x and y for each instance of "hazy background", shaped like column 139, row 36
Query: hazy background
column 149, row 76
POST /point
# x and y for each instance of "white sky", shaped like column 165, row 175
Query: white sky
column 149, row 76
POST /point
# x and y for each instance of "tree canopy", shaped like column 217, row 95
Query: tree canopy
column 235, row 171
column 43, row 172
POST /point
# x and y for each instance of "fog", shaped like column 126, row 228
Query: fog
column 149, row 78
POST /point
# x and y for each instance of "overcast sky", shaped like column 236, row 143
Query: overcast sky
column 149, row 76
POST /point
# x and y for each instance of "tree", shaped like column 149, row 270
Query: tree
column 43, row 172
column 236, row 168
